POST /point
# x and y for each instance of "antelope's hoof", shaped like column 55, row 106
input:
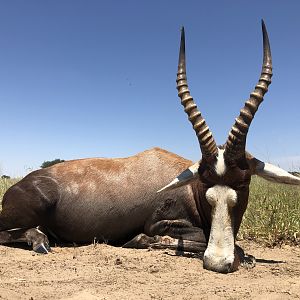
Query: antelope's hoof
column 249, row 262
column 42, row 248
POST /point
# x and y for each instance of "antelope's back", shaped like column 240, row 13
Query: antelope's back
column 98, row 194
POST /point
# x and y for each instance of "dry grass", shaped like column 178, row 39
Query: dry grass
column 272, row 216
column 4, row 185
column 273, row 213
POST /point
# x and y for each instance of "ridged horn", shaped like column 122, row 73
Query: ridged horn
column 207, row 143
column 236, row 142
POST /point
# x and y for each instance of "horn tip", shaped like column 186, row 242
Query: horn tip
column 165, row 188
column 159, row 191
column 181, row 60
column 182, row 34
column 266, row 44
column 263, row 26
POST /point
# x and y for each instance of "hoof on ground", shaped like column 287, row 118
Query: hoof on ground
column 248, row 262
column 42, row 248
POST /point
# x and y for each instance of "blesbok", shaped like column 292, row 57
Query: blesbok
column 117, row 200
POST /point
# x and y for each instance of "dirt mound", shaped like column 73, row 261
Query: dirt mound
column 105, row 272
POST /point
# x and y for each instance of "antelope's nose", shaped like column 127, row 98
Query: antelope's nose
column 219, row 264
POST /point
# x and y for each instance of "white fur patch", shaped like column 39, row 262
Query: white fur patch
column 220, row 249
column 220, row 166
column 221, row 195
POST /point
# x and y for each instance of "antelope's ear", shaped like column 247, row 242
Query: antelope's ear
column 184, row 178
column 271, row 172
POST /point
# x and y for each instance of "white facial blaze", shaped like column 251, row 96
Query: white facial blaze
column 220, row 250
column 220, row 166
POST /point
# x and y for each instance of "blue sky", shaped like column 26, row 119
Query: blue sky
column 97, row 78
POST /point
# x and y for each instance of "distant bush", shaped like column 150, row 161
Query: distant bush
column 5, row 177
column 49, row 163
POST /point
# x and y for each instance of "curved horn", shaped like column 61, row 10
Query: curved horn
column 236, row 142
column 207, row 143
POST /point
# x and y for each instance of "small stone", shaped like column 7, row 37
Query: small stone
column 153, row 269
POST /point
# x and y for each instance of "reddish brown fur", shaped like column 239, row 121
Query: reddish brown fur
column 110, row 199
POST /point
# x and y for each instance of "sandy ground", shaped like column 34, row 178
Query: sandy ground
column 104, row 272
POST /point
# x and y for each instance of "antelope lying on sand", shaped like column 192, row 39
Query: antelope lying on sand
column 117, row 200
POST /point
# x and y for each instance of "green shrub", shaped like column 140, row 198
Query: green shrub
column 49, row 163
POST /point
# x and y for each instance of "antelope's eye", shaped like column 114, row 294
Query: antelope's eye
column 207, row 180
column 208, row 172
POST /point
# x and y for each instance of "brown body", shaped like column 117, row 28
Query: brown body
column 100, row 198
